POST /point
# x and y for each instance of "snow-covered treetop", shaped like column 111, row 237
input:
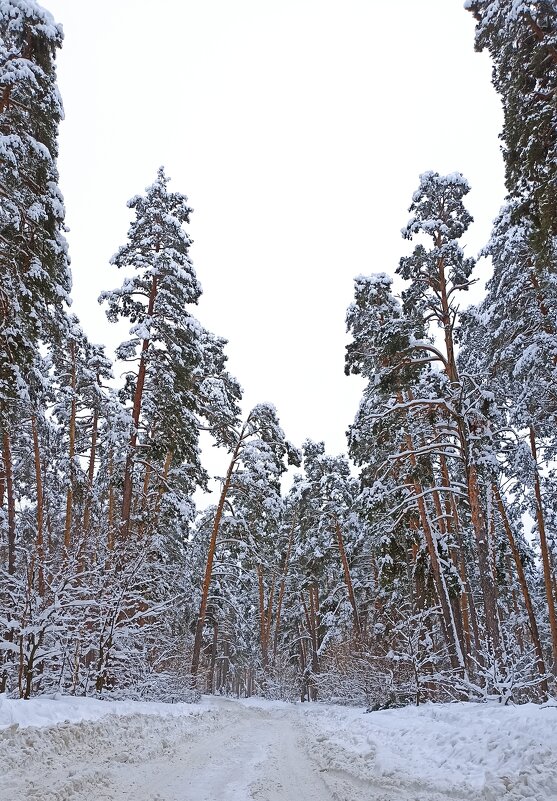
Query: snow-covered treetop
column 437, row 271
column 437, row 206
column 181, row 375
column 17, row 13
column 158, row 245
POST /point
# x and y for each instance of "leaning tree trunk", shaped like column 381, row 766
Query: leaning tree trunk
column 209, row 563
column 348, row 579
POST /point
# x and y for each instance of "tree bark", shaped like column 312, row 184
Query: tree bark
column 8, row 469
column 72, row 426
column 262, row 616
column 453, row 527
column 210, row 558
column 547, row 574
column 311, row 613
column 136, row 414
column 110, row 521
column 91, row 475
column 40, row 505
column 348, row 579
column 282, row 590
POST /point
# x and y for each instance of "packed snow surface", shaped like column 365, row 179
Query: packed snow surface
column 68, row 749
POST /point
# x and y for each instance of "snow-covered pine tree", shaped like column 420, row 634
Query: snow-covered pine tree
column 255, row 504
column 33, row 296
column 33, row 251
column 436, row 278
column 403, row 439
column 177, row 379
column 511, row 335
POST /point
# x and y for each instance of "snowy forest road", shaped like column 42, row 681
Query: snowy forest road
column 64, row 748
column 232, row 753
column 249, row 754
column 223, row 750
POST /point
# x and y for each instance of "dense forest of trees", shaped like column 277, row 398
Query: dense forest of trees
column 421, row 565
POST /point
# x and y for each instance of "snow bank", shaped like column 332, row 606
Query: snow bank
column 81, row 749
column 474, row 751
column 50, row 710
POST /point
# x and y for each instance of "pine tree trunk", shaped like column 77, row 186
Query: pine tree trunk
column 547, row 574
column 489, row 590
column 282, row 591
column 8, row 469
column 455, row 650
column 90, row 476
column 110, row 519
column 262, row 617
column 40, row 505
column 316, row 639
column 136, row 414
column 151, row 511
column 491, row 534
column 8, row 635
column 2, row 484
column 468, row 611
column 69, row 494
column 348, row 579
column 311, row 613
column 266, row 614
column 161, row 490
column 143, row 503
column 211, row 676
column 72, row 425
column 419, row 583
column 269, row 620
column 456, row 605
column 540, row 663
column 209, row 563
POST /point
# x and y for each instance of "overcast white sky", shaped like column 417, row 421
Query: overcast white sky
column 297, row 129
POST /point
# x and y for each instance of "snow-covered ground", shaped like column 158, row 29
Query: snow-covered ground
column 68, row 749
